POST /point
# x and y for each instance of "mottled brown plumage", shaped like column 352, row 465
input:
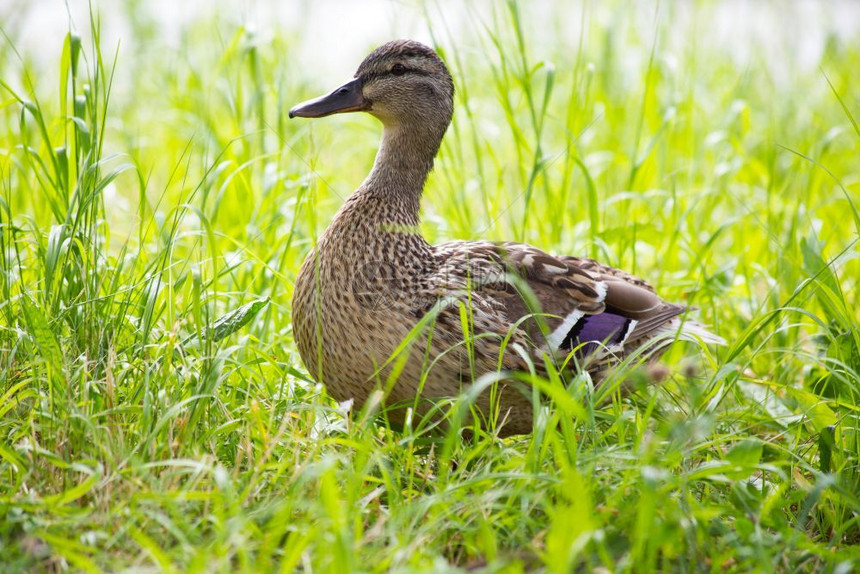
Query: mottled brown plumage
column 372, row 278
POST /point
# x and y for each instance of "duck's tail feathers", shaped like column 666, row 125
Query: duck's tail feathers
column 689, row 331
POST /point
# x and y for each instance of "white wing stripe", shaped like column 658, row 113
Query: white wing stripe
column 601, row 288
column 556, row 338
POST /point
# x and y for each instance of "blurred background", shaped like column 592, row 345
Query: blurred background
column 791, row 31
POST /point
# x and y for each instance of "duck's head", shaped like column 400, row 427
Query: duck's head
column 401, row 82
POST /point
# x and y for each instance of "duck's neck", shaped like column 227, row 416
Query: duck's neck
column 402, row 164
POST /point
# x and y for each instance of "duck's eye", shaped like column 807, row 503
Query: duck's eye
column 398, row 69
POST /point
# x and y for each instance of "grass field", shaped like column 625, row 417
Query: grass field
column 155, row 206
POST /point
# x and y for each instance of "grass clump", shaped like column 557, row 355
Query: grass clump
column 154, row 212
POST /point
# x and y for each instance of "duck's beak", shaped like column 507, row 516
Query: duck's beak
column 347, row 98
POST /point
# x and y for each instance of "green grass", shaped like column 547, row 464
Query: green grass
column 155, row 206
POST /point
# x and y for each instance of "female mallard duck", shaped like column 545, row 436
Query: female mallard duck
column 372, row 277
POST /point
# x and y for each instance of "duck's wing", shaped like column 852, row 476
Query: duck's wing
column 563, row 303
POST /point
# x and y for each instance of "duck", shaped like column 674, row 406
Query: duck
column 379, row 311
